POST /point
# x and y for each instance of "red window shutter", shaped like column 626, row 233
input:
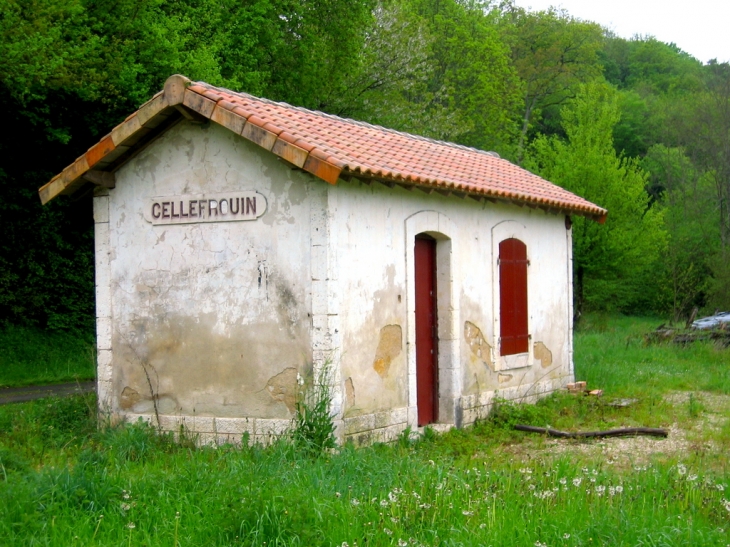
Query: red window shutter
column 513, row 297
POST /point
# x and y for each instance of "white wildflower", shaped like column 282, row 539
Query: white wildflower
column 563, row 480
column 388, row 531
column 467, row 513
column 355, row 502
column 577, row 481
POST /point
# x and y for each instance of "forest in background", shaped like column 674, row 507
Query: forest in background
column 635, row 125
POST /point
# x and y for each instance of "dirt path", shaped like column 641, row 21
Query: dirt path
column 29, row 393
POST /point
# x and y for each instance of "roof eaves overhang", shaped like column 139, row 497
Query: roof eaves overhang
column 183, row 99
column 588, row 210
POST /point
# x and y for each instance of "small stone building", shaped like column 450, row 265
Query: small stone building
column 242, row 245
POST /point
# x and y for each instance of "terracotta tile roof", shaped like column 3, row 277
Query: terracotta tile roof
column 329, row 147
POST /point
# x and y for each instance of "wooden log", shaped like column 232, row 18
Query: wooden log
column 625, row 432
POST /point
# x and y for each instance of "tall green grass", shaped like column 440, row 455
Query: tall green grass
column 130, row 486
column 611, row 353
column 31, row 356
column 63, row 481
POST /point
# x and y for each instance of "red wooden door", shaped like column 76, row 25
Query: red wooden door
column 426, row 331
column 513, row 297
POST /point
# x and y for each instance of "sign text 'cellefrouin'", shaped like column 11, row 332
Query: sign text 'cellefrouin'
column 188, row 209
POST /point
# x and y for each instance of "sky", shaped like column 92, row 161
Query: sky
column 699, row 27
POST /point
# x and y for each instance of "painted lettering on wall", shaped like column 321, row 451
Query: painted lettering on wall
column 188, row 209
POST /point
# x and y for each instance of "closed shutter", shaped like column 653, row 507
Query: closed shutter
column 513, row 297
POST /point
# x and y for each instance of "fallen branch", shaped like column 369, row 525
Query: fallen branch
column 626, row 432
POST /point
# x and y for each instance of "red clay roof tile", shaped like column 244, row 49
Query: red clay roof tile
column 336, row 146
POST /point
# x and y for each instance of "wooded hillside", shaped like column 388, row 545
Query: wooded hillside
column 637, row 126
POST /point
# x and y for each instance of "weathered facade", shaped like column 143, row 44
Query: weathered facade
column 228, row 270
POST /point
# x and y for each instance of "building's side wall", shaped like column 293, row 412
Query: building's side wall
column 207, row 324
column 375, row 227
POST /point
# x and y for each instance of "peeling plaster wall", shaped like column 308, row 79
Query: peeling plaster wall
column 373, row 281
column 214, row 319
column 219, row 321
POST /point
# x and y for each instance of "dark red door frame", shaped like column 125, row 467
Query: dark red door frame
column 426, row 330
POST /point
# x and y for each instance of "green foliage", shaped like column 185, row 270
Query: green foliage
column 313, row 429
column 34, row 357
column 618, row 360
column 688, row 201
column 613, row 263
column 552, row 53
column 129, row 484
column 479, row 73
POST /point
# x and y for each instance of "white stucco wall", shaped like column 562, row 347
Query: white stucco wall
column 212, row 318
column 375, row 226
column 210, row 325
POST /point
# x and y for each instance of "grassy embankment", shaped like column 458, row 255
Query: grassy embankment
column 63, row 482
column 31, row 357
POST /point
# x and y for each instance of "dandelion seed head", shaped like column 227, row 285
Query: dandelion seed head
column 131, row 525
column 388, row 531
column 467, row 513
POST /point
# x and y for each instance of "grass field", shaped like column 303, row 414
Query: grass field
column 65, row 482
column 33, row 357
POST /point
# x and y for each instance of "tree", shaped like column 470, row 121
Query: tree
column 612, row 262
column 686, row 196
column 552, row 53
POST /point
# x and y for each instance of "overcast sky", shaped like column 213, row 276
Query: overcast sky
column 699, row 27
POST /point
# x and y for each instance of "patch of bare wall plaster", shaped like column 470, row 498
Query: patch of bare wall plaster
column 389, row 347
column 283, row 388
column 349, row 394
column 479, row 373
column 373, row 356
column 543, row 354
